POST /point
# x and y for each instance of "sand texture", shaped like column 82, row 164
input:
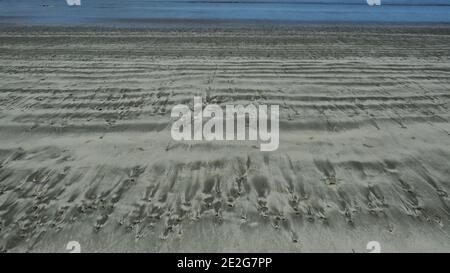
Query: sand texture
column 86, row 153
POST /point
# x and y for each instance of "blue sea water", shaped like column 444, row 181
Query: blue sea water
column 122, row 12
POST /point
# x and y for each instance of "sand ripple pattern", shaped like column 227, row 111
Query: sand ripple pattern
column 86, row 153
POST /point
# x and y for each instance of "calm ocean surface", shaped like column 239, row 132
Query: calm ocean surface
column 147, row 12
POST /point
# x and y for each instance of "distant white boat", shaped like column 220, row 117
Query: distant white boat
column 73, row 2
column 374, row 2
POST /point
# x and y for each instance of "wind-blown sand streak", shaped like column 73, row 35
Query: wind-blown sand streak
column 86, row 153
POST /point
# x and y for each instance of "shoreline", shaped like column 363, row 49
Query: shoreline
column 208, row 24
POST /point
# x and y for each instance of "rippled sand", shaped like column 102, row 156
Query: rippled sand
column 86, row 153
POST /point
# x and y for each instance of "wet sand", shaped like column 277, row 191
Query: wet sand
column 86, row 153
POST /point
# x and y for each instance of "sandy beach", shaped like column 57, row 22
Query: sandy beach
column 86, row 153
